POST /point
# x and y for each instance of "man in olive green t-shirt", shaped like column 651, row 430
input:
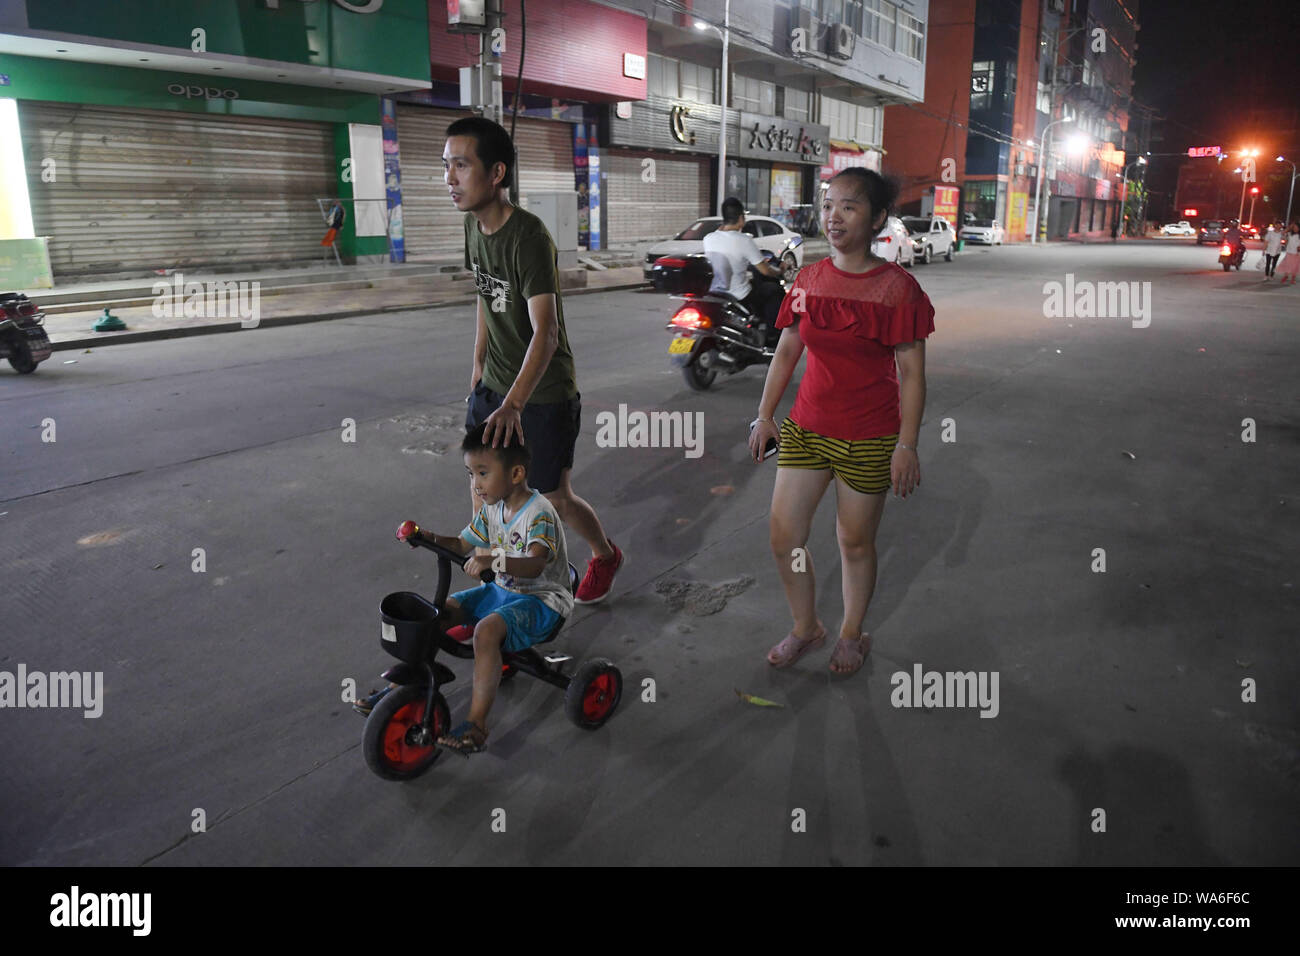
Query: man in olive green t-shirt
column 523, row 384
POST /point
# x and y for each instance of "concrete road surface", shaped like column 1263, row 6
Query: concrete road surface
column 1121, row 735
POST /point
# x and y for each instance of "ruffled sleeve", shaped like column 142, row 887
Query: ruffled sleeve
column 889, row 325
column 787, row 315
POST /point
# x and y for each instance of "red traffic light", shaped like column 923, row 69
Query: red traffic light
column 1254, row 190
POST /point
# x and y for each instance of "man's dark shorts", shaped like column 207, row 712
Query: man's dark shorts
column 550, row 431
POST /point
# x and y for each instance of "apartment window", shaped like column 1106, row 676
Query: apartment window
column 867, row 125
column 981, row 85
column 754, row 96
column 661, row 76
column 697, row 83
column 878, row 22
column 911, row 36
column 853, row 15
column 1044, row 99
column 797, row 104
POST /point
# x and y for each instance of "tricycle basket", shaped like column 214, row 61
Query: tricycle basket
column 409, row 626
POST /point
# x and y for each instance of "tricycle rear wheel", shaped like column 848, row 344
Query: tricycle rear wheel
column 593, row 693
column 386, row 742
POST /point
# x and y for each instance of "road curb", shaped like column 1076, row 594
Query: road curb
column 180, row 332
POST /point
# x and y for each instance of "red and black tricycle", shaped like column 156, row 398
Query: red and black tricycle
column 400, row 739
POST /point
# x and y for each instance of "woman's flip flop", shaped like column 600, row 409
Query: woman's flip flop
column 791, row 648
column 850, row 653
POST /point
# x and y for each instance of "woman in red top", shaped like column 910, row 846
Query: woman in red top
column 856, row 415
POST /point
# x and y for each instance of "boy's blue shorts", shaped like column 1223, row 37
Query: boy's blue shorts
column 528, row 619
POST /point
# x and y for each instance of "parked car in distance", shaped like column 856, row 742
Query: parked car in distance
column 930, row 237
column 894, row 244
column 983, row 230
column 1181, row 228
column 1211, row 231
column 769, row 235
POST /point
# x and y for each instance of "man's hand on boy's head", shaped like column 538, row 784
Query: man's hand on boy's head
column 503, row 427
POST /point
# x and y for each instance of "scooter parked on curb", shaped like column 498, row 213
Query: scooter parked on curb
column 402, row 730
column 23, row 340
column 714, row 330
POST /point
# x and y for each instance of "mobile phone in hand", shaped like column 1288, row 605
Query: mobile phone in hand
column 769, row 449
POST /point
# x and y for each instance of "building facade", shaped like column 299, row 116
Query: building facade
column 159, row 141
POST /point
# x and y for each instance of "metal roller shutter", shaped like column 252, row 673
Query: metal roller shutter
column 641, row 211
column 432, row 226
column 145, row 189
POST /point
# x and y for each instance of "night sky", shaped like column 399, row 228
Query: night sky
column 1202, row 64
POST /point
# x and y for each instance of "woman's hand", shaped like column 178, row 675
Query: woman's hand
column 904, row 471
column 759, row 436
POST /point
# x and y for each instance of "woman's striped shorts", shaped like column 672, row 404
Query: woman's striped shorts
column 863, row 464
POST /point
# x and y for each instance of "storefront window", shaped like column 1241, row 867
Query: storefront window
column 759, row 184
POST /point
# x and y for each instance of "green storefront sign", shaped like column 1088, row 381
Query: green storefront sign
column 63, row 81
column 385, row 37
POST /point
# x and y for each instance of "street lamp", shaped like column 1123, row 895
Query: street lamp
column 1038, row 191
column 725, row 32
column 1282, row 159
column 1123, row 194
column 1252, row 153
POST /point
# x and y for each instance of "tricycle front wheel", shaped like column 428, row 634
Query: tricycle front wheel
column 391, row 741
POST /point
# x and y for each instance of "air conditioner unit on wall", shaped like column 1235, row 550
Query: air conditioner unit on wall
column 840, row 41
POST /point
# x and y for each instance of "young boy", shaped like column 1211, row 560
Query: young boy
column 525, row 603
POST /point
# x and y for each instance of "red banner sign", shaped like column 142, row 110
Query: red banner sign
column 1204, row 151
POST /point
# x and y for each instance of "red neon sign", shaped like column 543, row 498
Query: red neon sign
column 1190, row 212
column 1195, row 151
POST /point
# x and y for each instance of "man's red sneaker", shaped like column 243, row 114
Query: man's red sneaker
column 600, row 578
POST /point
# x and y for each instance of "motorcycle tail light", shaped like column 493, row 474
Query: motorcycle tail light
column 670, row 262
column 1225, row 250
column 691, row 318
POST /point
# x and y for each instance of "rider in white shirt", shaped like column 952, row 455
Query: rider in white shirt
column 741, row 251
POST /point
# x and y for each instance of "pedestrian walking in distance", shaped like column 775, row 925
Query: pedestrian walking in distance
column 856, row 415
column 1272, row 249
column 522, row 383
column 1291, row 261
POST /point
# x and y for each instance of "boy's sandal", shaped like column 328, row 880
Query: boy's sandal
column 850, row 653
column 465, row 739
column 791, row 648
column 366, row 705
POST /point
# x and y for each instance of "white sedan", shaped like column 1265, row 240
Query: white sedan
column 983, row 230
column 1183, row 228
column 893, row 244
column 768, row 234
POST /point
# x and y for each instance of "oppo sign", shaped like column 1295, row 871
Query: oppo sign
column 365, row 6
